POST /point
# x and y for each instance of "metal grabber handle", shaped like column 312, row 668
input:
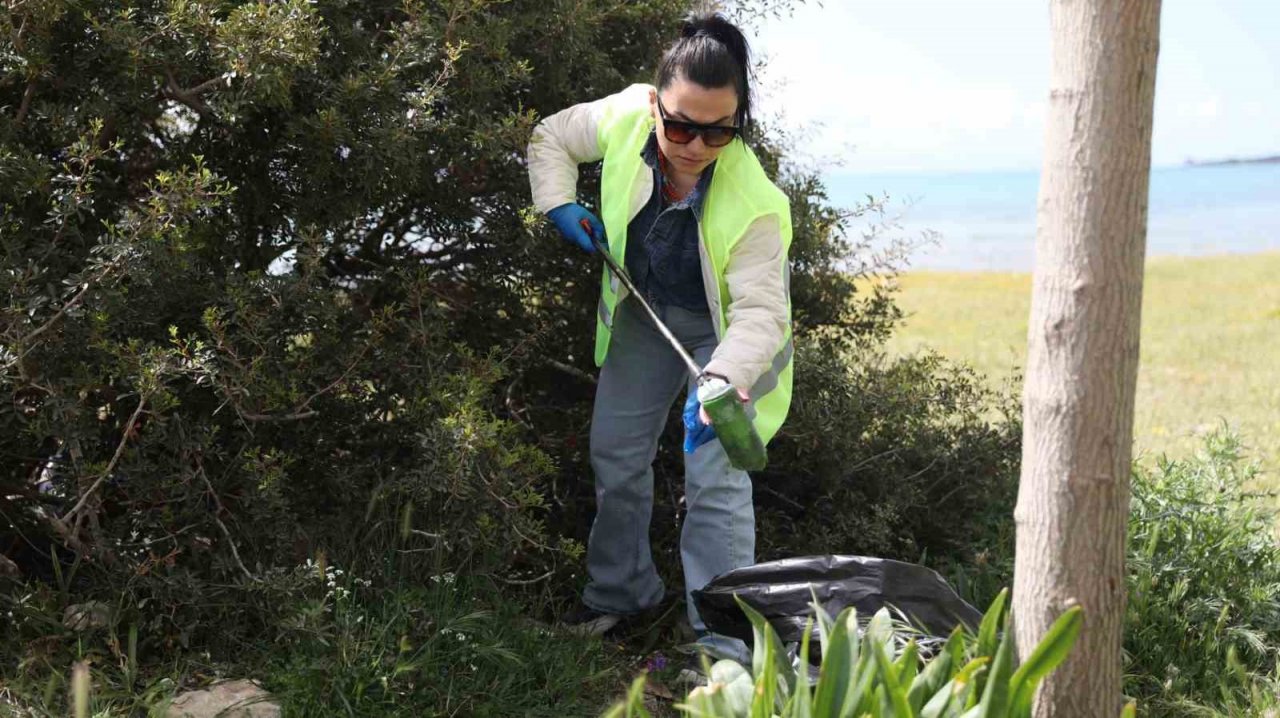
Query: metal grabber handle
column 694, row 370
column 734, row 428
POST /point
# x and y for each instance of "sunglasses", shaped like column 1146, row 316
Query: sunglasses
column 682, row 133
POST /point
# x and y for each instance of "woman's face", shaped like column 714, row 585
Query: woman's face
column 691, row 102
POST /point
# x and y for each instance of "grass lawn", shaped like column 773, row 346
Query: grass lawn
column 1210, row 343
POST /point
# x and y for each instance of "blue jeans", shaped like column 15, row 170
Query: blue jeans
column 639, row 381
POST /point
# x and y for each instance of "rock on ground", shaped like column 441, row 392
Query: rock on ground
column 230, row 699
column 85, row 616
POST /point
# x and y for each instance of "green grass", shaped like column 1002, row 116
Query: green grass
column 1210, row 344
column 424, row 646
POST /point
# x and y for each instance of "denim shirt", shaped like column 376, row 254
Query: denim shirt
column 662, row 246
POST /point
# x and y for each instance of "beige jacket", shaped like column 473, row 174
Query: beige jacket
column 757, row 273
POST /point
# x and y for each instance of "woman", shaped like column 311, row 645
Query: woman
column 704, row 235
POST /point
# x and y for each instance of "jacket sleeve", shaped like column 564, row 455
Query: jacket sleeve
column 568, row 138
column 759, row 305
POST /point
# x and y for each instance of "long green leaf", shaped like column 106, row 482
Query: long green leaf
column 995, row 699
column 989, row 634
column 951, row 700
column 908, row 664
column 863, row 698
column 825, row 623
column 1048, row 654
column 776, row 655
column 766, row 688
column 895, row 691
column 991, row 623
column 835, row 674
column 802, row 699
column 939, row 701
column 933, row 677
column 878, row 703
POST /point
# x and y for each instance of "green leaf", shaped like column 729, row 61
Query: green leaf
column 835, row 675
column 768, row 650
column 940, row 701
column 825, row 624
column 880, row 630
column 1047, row 655
column 960, row 688
column 762, row 705
column 995, row 699
column 878, row 703
column 895, row 693
column 863, row 697
column 802, row 699
column 738, row 687
column 934, row 676
column 991, row 623
column 908, row 663
column 1130, row 710
column 988, row 631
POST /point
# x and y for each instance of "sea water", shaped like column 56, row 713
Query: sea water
column 987, row 220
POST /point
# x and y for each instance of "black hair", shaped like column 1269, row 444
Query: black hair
column 711, row 52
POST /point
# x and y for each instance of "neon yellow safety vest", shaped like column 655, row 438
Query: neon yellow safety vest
column 739, row 193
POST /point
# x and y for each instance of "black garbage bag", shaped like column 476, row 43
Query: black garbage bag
column 781, row 592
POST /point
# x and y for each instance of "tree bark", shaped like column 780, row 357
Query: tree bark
column 1082, row 360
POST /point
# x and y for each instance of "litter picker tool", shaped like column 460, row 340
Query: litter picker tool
column 733, row 427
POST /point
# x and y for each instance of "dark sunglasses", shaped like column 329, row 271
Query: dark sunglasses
column 682, row 133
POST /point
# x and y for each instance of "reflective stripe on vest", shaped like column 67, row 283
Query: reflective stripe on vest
column 739, row 193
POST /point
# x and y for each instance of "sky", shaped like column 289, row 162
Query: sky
column 884, row 86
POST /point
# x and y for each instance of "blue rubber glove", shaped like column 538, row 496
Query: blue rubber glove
column 568, row 219
column 696, row 433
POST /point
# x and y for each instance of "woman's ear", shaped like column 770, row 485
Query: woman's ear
column 653, row 103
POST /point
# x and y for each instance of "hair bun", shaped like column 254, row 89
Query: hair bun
column 691, row 26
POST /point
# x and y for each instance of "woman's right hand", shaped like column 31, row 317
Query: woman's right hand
column 568, row 219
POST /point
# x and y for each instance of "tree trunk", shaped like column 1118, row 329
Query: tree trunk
column 1082, row 359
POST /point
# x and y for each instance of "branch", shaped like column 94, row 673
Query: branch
column 230, row 541
column 190, row 98
column 206, row 85
column 61, row 312
column 780, row 497
column 75, row 301
column 115, row 458
column 279, row 418
column 26, row 103
column 336, row 382
column 511, row 402
column 300, row 412
column 526, row 582
column 570, row 370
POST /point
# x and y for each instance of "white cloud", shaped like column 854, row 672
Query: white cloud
column 895, row 98
column 945, row 85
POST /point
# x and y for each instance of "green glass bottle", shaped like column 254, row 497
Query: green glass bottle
column 736, row 431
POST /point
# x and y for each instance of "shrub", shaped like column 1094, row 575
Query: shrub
column 901, row 458
column 1204, row 582
column 273, row 289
